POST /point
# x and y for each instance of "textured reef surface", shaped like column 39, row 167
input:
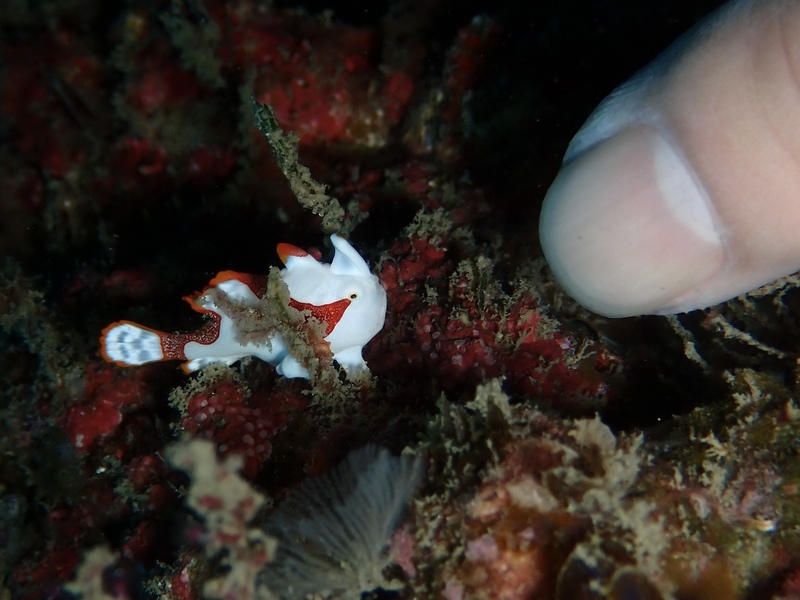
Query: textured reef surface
column 506, row 443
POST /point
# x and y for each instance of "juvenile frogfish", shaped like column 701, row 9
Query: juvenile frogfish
column 344, row 295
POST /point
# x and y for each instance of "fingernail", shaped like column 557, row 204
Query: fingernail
column 628, row 229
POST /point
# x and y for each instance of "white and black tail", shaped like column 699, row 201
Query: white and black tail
column 129, row 344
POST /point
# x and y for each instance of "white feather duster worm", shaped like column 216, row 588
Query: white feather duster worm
column 334, row 532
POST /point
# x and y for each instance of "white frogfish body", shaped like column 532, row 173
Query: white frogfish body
column 344, row 295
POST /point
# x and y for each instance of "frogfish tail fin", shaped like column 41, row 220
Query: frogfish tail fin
column 129, row 344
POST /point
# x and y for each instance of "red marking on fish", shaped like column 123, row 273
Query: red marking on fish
column 287, row 250
column 328, row 313
column 256, row 283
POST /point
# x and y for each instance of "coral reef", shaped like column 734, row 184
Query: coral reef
column 566, row 509
column 565, row 456
column 227, row 505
